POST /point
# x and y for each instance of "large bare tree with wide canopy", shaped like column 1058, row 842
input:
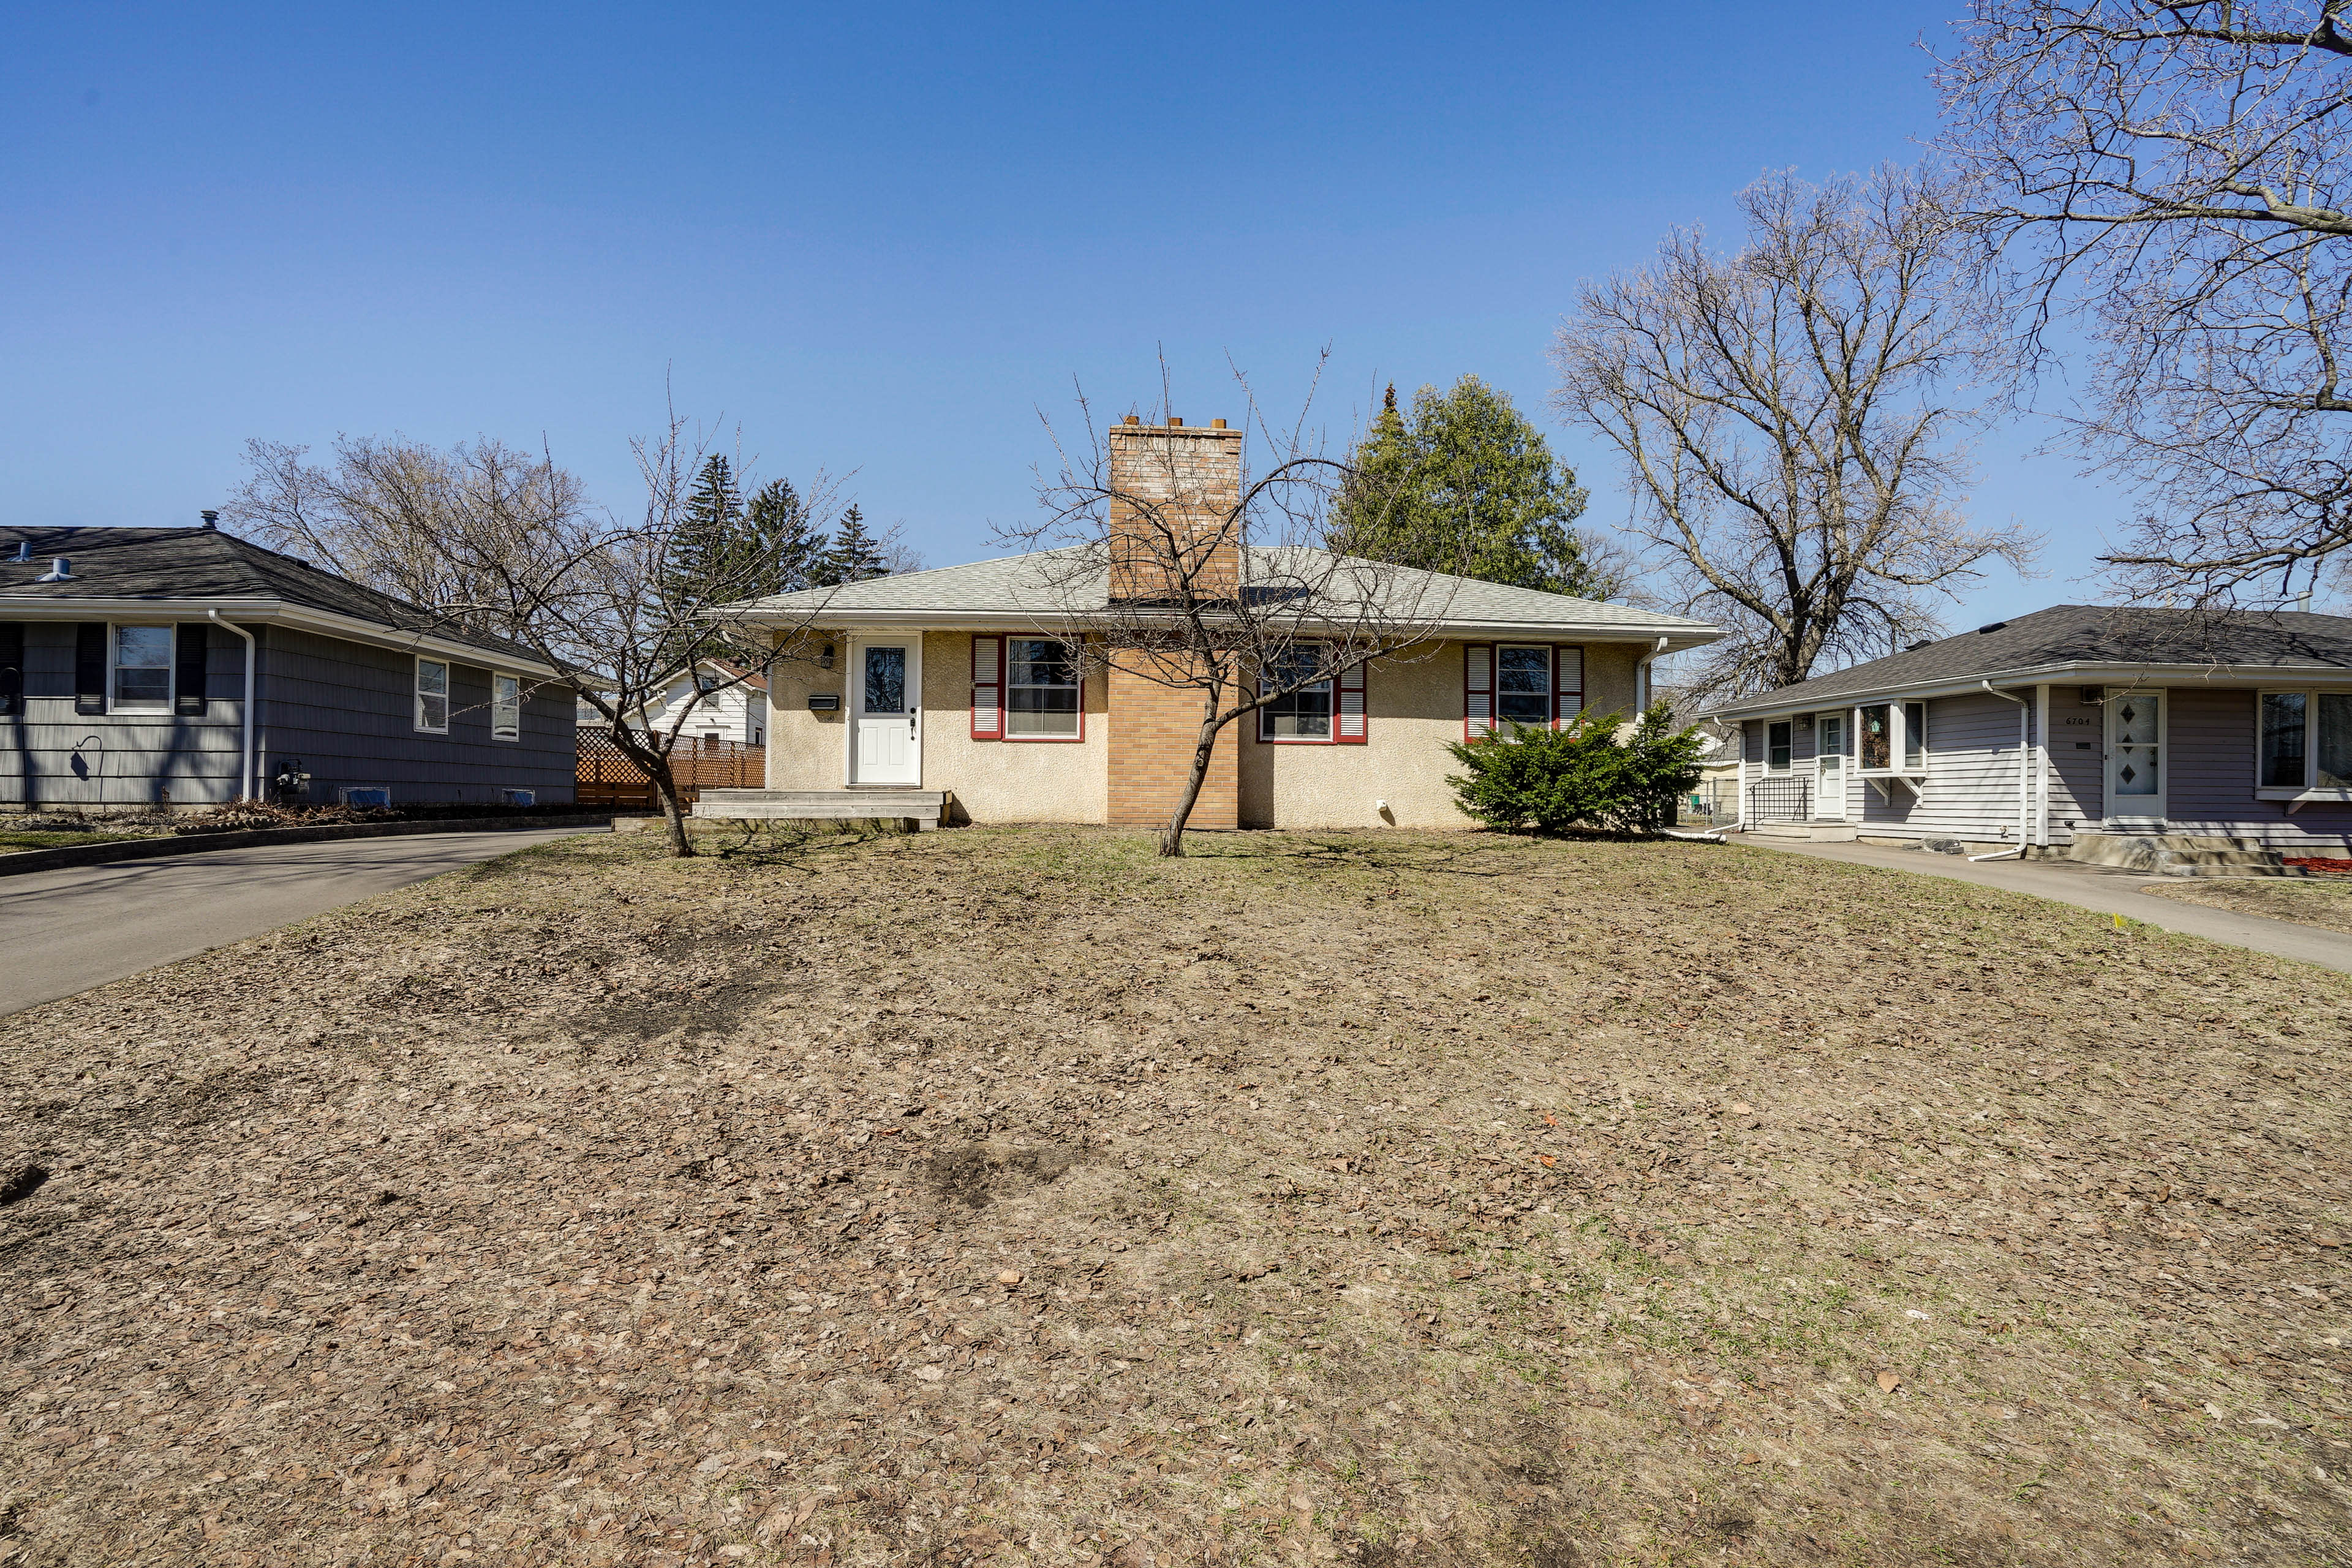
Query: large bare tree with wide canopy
column 1792, row 417
column 2175, row 178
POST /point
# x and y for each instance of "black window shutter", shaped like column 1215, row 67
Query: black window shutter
column 11, row 666
column 188, row 680
column 89, row 667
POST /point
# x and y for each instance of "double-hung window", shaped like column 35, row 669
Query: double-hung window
column 506, row 707
column 1777, row 749
column 1523, row 685
column 1041, row 690
column 143, row 670
column 433, row 696
column 1304, row 714
column 2305, row 747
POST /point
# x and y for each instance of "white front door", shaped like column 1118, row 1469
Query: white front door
column 885, row 747
column 2136, row 787
column 1829, row 767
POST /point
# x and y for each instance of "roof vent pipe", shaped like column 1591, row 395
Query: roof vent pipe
column 60, row 571
column 212, row 518
column 24, row 551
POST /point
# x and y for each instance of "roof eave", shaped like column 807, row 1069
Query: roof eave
column 275, row 611
column 1679, row 635
column 2086, row 672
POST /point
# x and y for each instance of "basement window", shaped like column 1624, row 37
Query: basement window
column 2305, row 749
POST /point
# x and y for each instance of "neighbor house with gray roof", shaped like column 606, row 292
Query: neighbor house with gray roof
column 2072, row 721
column 144, row 667
column 983, row 692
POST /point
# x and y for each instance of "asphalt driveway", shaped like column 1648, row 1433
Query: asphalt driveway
column 2092, row 888
column 64, row 931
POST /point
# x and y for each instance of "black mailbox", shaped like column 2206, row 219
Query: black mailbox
column 825, row 702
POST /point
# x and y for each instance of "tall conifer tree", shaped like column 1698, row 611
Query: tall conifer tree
column 856, row 555
column 1467, row 485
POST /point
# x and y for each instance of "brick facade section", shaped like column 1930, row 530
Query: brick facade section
column 1153, row 729
column 1175, row 490
column 1173, row 536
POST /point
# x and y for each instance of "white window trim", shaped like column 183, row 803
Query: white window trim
column 1790, row 765
column 1551, row 692
column 416, row 695
column 515, row 734
column 1898, row 736
column 2309, row 791
column 114, row 630
column 1004, row 697
column 1265, row 709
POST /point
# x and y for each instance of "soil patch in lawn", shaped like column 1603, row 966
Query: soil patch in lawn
column 1014, row 1196
column 2313, row 902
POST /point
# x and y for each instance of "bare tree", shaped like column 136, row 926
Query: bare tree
column 2173, row 175
column 1792, row 417
column 1169, row 562
column 527, row 559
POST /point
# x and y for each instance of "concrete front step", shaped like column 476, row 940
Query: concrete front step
column 924, row 808
column 2180, row 854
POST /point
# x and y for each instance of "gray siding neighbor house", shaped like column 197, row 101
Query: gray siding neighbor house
column 125, row 672
column 2072, row 721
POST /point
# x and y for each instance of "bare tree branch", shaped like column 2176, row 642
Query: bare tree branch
column 1791, row 416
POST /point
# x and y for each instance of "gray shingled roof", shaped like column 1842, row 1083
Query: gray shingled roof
column 2093, row 635
column 198, row 564
column 1051, row 584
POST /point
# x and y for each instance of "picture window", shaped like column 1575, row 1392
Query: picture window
column 2305, row 745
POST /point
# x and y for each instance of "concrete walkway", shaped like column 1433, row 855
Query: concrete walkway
column 65, row 932
column 2089, row 888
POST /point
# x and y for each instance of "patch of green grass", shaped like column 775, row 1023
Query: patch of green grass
column 19, row 839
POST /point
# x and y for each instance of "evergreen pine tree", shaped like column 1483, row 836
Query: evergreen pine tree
column 856, row 555
column 1467, row 485
column 784, row 548
column 702, row 551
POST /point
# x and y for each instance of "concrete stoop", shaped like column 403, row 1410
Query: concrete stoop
column 1817, row 832
column 2180, row 855
column 927, row 809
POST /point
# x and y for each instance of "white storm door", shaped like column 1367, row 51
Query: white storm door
column 2136, row 787
column 1829, row 768
column 886, row 748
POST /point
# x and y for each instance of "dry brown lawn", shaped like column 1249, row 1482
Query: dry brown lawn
column 2314, row 901
column 1010, row 1197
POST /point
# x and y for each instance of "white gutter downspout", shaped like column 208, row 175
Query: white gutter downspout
column 2041, row 765
column 2024, row 777
column 246, row 786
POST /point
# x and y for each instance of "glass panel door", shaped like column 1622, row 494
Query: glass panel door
column 2135, row 754
column 1829, row 735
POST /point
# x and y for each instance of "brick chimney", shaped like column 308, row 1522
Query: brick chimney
column 1172, row 520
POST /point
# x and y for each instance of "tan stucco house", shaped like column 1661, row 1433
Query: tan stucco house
column 977, row 691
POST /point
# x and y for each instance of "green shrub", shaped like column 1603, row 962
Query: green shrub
column 1583, row 776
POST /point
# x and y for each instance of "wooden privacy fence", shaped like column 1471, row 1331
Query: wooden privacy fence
column 607, row 777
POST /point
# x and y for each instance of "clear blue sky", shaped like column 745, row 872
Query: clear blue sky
column 877, row 239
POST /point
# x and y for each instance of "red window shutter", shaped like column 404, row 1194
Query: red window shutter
column 988, row 688
column 1348, row 720
column 1477, row 690
column 1567, row 685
